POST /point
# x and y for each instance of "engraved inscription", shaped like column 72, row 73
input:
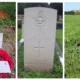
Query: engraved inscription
column 38, row 47
column 39, row 38
column 40, row 19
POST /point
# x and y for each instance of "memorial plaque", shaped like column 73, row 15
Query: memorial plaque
column 4, row 67
column 39, row 38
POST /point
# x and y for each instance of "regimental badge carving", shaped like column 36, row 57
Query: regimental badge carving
column 40, row 19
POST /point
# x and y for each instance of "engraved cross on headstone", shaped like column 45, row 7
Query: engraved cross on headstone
column 39, row 38
column 38, row 48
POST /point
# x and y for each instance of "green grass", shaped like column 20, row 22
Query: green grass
column 59, row 37
column 72, row 51
column 57, row 68
column 59, row 22
column 7, row 22
column 19, row 34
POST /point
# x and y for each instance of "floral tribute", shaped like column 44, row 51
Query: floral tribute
column 4, row 56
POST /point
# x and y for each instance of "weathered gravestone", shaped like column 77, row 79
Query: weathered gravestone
column 39, row 38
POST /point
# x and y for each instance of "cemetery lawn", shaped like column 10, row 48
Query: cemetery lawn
column 59, row 37
column 72, row 51
column 57, row 67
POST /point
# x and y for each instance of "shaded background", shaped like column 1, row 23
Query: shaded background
column 57, row 6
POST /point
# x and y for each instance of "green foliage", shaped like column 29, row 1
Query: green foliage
column 9, row 8
column 77, row 12
column 6, row 22
column 72, row 51
column 59, row 37
column 69, row 12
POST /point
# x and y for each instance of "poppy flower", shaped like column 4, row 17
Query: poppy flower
column 4, row 56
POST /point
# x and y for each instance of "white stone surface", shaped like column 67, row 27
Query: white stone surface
column 39, row 38
column 1, row 39
column 4, row 67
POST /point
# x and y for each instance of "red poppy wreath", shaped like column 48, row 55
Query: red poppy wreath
column 5, row 57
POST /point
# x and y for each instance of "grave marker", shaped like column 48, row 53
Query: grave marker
column 39, row 38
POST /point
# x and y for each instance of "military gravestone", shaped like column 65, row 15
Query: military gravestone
column 39, row 38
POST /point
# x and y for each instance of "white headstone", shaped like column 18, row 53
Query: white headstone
column 39, row 38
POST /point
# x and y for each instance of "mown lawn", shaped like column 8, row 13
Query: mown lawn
column 57, row 68
column 72, row 51
column 59, row 38
column 19, row 34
